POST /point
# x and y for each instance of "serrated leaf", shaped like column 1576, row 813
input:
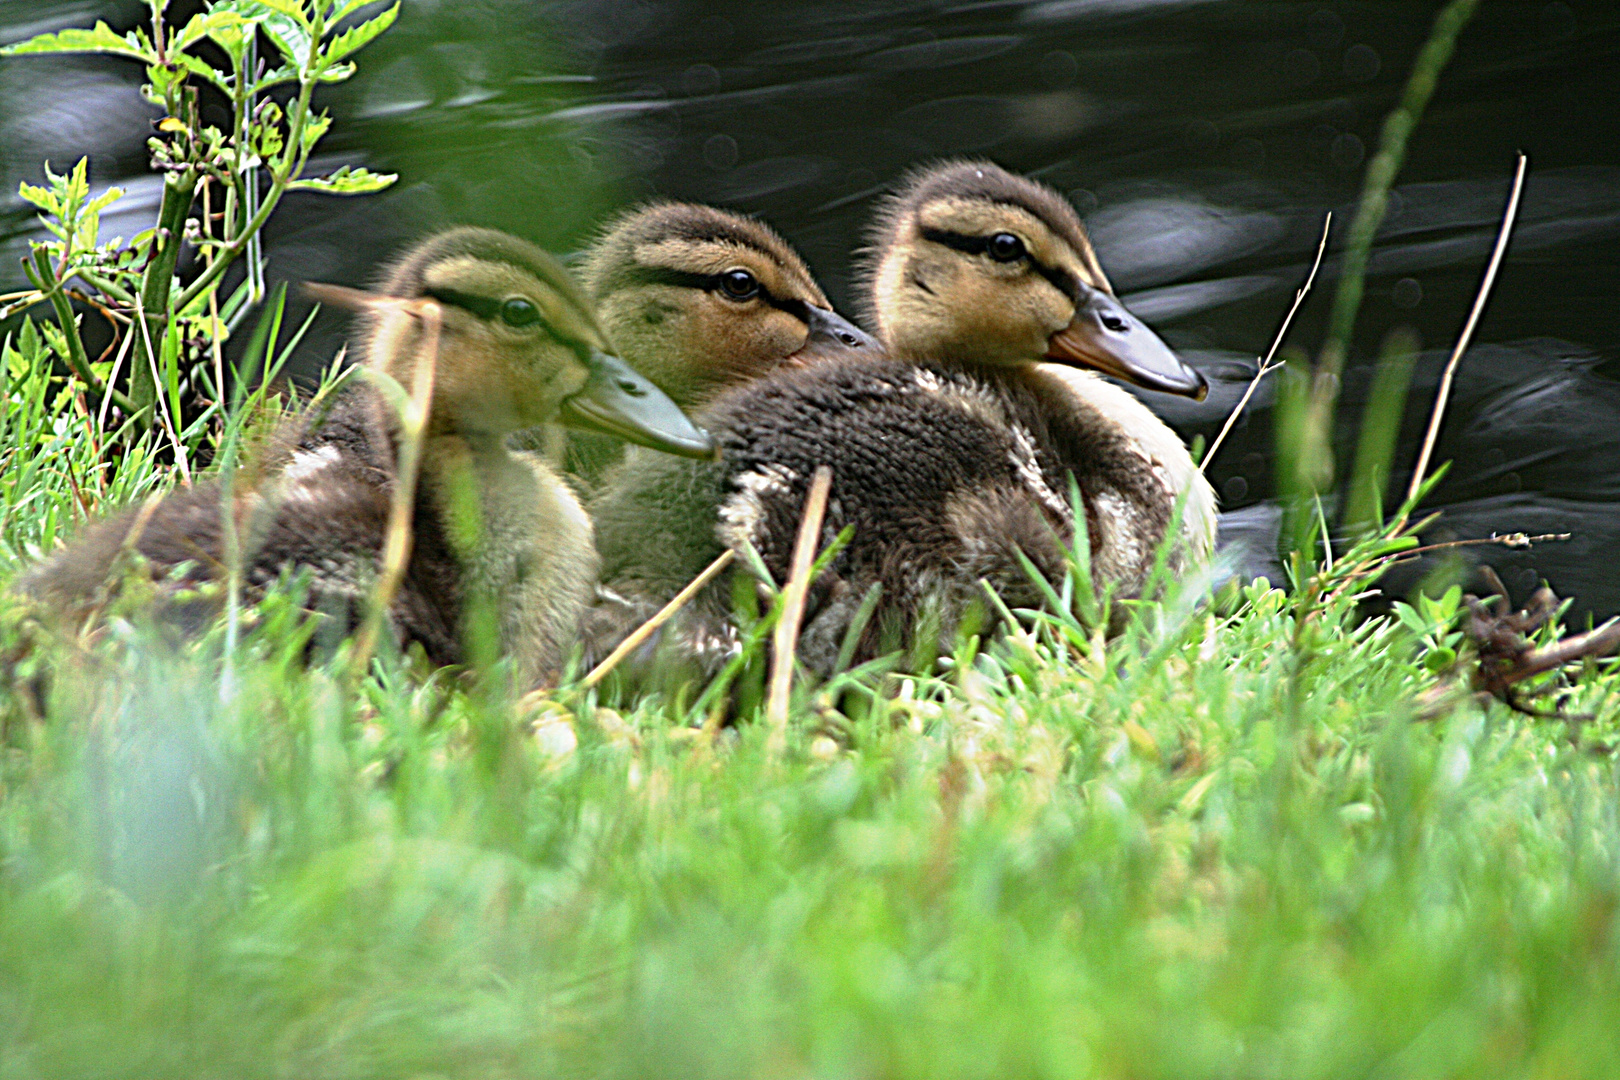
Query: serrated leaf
column 346, row 181
column 206, row 25
column 314, row 128
column 104, row 200
column 336, row 73
column 293, row 9
column 356, row 37
column 277, row 77
column 290, row 37
column 99, row 39
column 196, row 65
column 40, row 197
column 345, row 9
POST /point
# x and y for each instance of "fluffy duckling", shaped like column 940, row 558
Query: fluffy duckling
column 513, row 343
column 948, row 459
column 699, row 299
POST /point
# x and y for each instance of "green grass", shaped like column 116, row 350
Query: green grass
column 1221, row 845
column 1245, row 838
column 1241, row 839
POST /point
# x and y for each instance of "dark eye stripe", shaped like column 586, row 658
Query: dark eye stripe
column 489, row 310
column 686, row 279
column 1062, row 280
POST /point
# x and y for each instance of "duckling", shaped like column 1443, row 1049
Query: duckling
column 949, row 458
column 516, row 344
column 699, row 299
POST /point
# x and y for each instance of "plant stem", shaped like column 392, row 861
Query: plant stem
column 1269, row 362
column 178, row 189
column 1380, row 425
column 1316, row 464
column 76, row 357
column 1438, row 413
column 786, row 641
column 102, row 285
column 293, row 164
column 664, row 614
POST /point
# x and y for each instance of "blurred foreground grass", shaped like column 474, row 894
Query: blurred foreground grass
column 1243, row 839
column 1198, row 851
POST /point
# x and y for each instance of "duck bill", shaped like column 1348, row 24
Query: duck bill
column 1104, row 335
column 833, row 336
column 619, row 401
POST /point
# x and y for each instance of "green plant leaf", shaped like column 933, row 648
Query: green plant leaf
column 201, row 68
column 292, row 9
column 346, row 181
column 315, row 127
column 100, row 39
column 207, row 25
column 289, row 35
column 41, row 197
column 345, row 8
column 336, row 73
column 356, row 37
column 1410, row 619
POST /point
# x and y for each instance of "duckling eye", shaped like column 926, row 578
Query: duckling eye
column 1005, row 247
column 739, row 285
column 517, row 311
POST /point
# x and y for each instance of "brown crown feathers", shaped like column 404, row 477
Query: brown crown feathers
column 699, row 300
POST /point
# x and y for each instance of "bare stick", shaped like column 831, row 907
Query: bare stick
column 1599, row 642
column 646, row 629
column 158, row 387
column 1467, row 335
column 1266, row 365
column 413, row 429
column 1508, row 540
column 112, row 378
column 786, row 641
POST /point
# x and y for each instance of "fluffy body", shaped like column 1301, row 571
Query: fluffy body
column 945, row 475
column 491, row 530
column 949, row 459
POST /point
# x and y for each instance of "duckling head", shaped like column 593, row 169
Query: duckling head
column 971, row 264
column 517, row 345
column 701, row 299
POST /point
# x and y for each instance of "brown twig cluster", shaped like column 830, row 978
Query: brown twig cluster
column 1507, row 654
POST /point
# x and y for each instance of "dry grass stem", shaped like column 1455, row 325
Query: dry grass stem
column 413, row 430
column 786, row 641
column 158, row 387
column 646, row 629
column 1269, row 364
column 1516, row 540
column 112, row 380
column 1444, row 393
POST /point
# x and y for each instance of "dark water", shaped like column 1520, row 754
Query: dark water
column 1203, row 141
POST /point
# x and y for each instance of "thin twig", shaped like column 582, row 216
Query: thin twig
column 1597, row 642
column 112, row 378
column 1509, row 540
column 1441, row 396
column 1267, row 365
column 158, row 388
column 786, row 640
column 413, row 428
column 646, row 629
